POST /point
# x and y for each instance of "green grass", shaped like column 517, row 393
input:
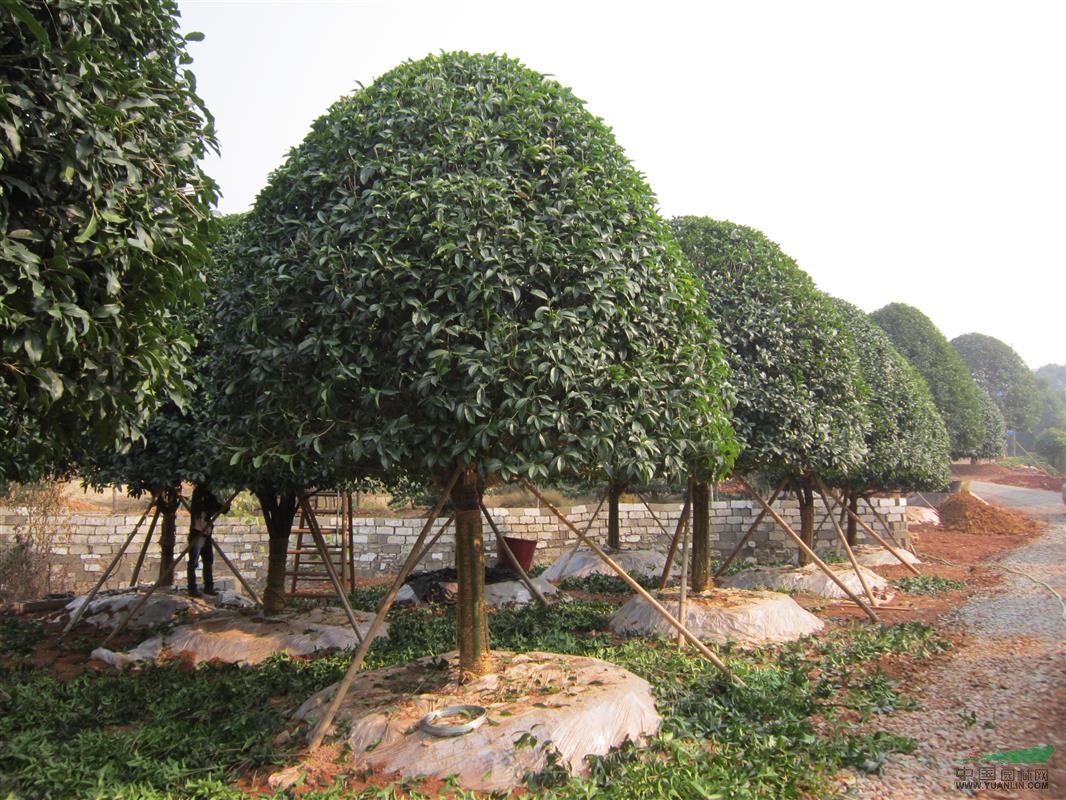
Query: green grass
column 165, row 732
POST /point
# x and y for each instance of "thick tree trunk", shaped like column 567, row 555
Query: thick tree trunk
column 168, row 502
column 279, row 510
column 853, row 526
column 806, row 503
column 701, row 536
column 471, row 621
column 614, row 528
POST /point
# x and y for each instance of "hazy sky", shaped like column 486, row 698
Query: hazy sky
column 899, row 151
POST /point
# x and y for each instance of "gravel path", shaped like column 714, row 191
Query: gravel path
column 1003, row 687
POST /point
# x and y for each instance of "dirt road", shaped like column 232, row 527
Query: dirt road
column 1003, row 688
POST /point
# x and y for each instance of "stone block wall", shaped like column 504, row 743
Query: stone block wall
column 85, row 543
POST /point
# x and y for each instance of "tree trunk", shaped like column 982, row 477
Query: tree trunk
column 168, row 500
column 471, row 621
column 806, row 502
column 614, row 528
column 701, row 536
column 853, row 526
column 279, row 509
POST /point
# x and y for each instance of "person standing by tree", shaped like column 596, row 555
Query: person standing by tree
column 203, row 509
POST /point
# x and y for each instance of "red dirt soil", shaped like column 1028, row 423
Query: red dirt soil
column 967, row 514
column 997, row 473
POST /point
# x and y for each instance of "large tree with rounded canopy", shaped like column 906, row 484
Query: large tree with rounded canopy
column 907, row 442
column 459, row 269
column 799, row 408
column 104, row 220
column 1001, row 372
column 953, row 388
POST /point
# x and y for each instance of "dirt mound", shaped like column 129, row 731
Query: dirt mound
column 965, row 513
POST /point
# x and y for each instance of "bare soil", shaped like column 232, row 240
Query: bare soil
column 997, row 473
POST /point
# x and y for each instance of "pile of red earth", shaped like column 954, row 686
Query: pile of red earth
column 967, row 514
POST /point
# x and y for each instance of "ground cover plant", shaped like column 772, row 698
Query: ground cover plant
column 927, row 584
column 168, row 732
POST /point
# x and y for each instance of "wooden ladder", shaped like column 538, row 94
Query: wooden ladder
column 333, row 513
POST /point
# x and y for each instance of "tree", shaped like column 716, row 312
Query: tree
column 1051, row 386
column 103, row 223
column 799, row 391
column 906, row 442
column 995, row 441
column 1001, row 372
column 176, row 447
column 953, row 388
column 459, row 268
column 1051, row 444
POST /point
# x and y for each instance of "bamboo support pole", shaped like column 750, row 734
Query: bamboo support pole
column 144, row 548
column 851, row 553
column 588, row 526
column 349, row 537
column 512, row 559
column 235, row 571
column 751, row 529
column 681, row 603
column 144, row 598
column 345, row 684
column 327, row 562
column 672, row 553
column 810, row 553
column 80, row 612
column 662, row 527
column 436, row 536
column 692, row 638
column 884, row 523
column 867, row 528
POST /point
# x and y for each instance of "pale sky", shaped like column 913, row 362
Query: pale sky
column 900, row 151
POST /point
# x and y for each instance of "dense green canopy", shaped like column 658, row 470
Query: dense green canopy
column 1051, row 385
column 907, row 443
column 795, row 371
column 995, row 441
column 953, row 388
column 1001, row 372
column 103, row 222
column 459, row 265
column 179, row 442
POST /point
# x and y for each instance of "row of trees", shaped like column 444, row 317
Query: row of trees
column 457, row 274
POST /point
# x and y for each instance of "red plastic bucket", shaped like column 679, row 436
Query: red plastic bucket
column 523, row 550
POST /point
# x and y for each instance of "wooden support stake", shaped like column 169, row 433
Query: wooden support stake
column 360, row 655
column 80, row 612
column 669, row 565
column 884, row 523
column 144, row 547
column 588, row 525
column 692, row 638
column 867, row 528
column 327, row 561
column 144, row 598
column 681, row 609
column 751, row 529
column 235, row 571
column 662, row 528
column 847, row 549
column 522, row 574
column 810, row 553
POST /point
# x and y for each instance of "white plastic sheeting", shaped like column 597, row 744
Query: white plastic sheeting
column 722, row 615
column 538, row 703
column 234, row 638
column 812, row 580
column 586, row 562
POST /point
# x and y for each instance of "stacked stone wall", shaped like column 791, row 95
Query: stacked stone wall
column 85, row 543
